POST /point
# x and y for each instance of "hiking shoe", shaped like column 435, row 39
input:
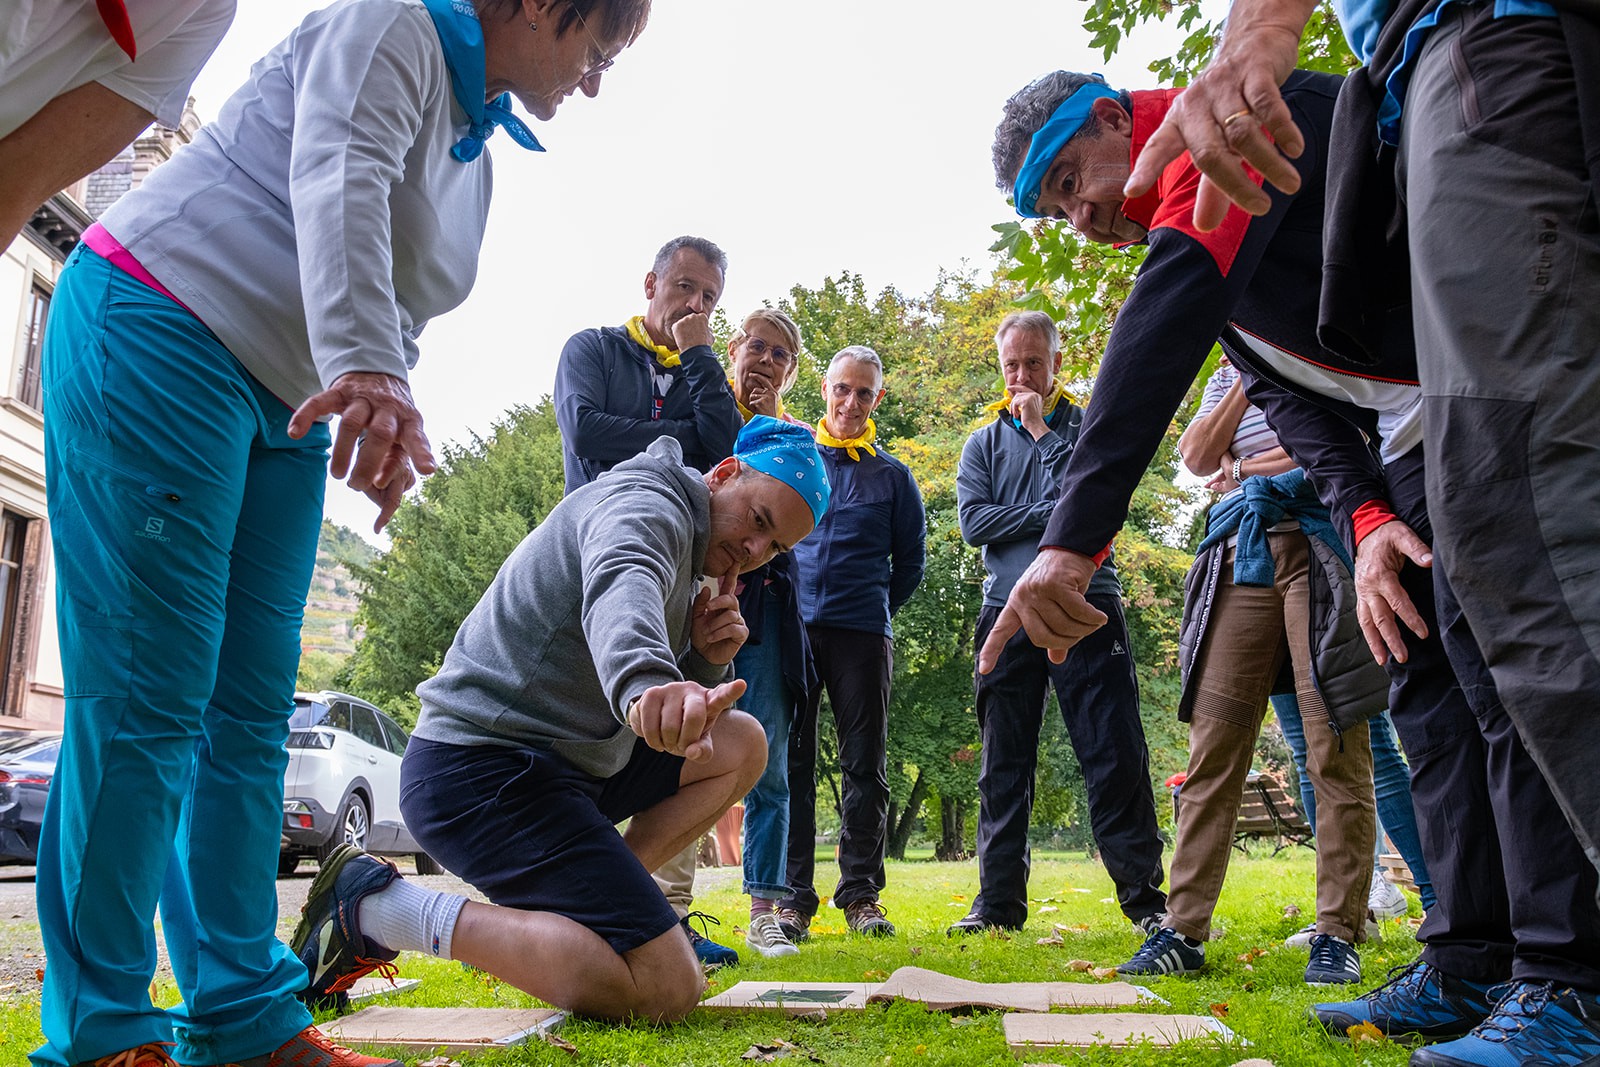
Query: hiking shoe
column 1385, row 901
column 795, row 926
column 1533, row 1023
column 328, row 939
column 1166, row 952
column 312, row 1048
column 153, row 1054
column 707, row 951
column 1302, row 937
column 1333, row 961
column 867, row 916
column 1419, row 1001
column 767, row 937
column 973, row 923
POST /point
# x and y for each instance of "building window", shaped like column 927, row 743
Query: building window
column 20, row 547
column 33, row 347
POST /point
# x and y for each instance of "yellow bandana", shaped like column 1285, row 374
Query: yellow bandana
column 745, row 412
column 667, row 357
column 1050, row 402
column 848, row 444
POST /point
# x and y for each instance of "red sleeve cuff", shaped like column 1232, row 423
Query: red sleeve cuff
column 1370, row 516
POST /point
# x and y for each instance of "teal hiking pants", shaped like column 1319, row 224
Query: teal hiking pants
column 184, row 521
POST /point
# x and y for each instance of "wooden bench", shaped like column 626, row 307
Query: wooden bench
column 1267, row 812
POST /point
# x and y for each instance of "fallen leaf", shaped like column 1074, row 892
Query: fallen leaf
column 874, row 976
column 767, row 1053
column 1104, row 973
column 1365, row 1033
column 957, row 896
column 557, row 1041
column 1108, row 900
column 1080, row 890
column 1253, row 954
column 1083, row 966
column 1047, row 909
column 1079, row 927
column 916, row 950
column 1220, row 1010
column 39, row 974
column 1053, row 939
column 1291, row 912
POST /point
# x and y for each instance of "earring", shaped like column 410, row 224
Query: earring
column 533, row 26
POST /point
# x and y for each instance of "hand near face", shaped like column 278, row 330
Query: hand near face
column 1028, row 408
column 678, row 717
column 1380, row 598
column 716, row 629
column 762, row 399
column 380, row 426
column 691, row 330
column 1048, row 602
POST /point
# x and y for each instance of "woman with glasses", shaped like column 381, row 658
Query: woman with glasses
column 273, row 274
column 775, row 661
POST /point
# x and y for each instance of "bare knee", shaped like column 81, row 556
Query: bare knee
column 667, row 979
column 746, row 742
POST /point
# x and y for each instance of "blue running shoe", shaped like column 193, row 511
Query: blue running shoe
column 1166, row 952
column 1535, row 1024
column 328, row 939
column 1333, row 962
column 1418, row 1001
column 707, row 951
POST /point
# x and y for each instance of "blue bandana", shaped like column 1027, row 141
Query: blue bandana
column 1052, row 137
column 461, row 34
column 787, row 452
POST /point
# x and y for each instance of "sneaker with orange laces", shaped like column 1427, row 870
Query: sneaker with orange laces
column 312, row 1048
column 328, row 939
column 153, row 1054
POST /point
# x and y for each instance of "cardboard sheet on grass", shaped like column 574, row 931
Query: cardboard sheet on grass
column 793, row 998
column 943, row 992
column 446, row 1029
column 1028, row 1034
column 372, row 987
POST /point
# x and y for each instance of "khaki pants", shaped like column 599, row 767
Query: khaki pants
column 676, row 879
column 1250, row 632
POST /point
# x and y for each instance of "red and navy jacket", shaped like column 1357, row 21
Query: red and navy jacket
column 1260, row 275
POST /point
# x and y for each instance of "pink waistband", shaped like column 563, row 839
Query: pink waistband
column 100, row 241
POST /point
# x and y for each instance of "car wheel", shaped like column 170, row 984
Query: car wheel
column 287, row 862
column 350, row 828
column 426, row 864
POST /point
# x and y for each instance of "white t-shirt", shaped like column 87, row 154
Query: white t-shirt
column 48, row 47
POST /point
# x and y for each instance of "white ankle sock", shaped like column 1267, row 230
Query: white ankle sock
column 406, row 917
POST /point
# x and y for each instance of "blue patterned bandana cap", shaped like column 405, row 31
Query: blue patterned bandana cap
column 1062, row 126
column 786, row 452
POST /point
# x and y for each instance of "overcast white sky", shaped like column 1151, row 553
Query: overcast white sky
column 805, row 139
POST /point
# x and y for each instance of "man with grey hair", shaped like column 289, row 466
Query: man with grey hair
column 864, row 561
column 621, row 388
column 1006, row 488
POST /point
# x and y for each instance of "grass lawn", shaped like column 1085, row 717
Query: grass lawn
column 1251, row 978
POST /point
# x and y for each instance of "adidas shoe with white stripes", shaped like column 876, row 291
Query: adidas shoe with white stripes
column 1166, row 952
column 1333, row 962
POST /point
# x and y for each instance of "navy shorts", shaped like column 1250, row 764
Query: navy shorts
column 531, row 831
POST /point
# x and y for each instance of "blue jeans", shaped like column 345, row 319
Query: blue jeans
column 766, row 808
column 184, row 521
column 1391, row 781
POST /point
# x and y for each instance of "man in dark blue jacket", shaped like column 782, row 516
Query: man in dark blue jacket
column 863, row 561
column 1005, row 490
column 619, row 388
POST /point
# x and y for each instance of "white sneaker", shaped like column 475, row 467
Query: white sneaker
column 1301, row 938
column 1386, row 901
column 766, row 937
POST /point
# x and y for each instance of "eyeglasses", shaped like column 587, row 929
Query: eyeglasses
column 864, row 396
column 758, row 348
column 605, row 62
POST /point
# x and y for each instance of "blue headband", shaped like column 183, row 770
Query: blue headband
column 1052, row 137
column 787, row 452
column 461, row 36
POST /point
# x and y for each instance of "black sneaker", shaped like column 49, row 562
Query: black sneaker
column 1166, row 952
column 795, row 926
column 1148, row 924
column 1333, row 962
column 973, row 923
column 867, row 916
column 1418, row 1001
column 707, row 951
column 328, row 939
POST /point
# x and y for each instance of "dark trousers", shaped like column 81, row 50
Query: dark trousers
column 855, row 667
column 1099, row 696
column 1516, row 894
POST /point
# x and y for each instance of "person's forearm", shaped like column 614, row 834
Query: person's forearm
column 1208, row 436
column 1266, row 464
column 1252, row 24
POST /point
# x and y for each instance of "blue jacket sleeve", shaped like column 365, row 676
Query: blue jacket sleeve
column 907, row 556
column 984, row 520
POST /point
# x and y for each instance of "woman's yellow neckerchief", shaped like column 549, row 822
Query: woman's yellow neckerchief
column 667, row 357
column 744, row 411
column 848, row 444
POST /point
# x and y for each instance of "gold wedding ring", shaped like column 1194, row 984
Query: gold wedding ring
column 1245, row 114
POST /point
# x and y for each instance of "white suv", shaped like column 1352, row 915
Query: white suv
column 342, row 784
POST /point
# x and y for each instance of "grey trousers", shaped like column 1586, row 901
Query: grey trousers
column 1505, row 251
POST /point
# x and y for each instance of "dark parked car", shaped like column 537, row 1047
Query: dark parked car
column 27, row 763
